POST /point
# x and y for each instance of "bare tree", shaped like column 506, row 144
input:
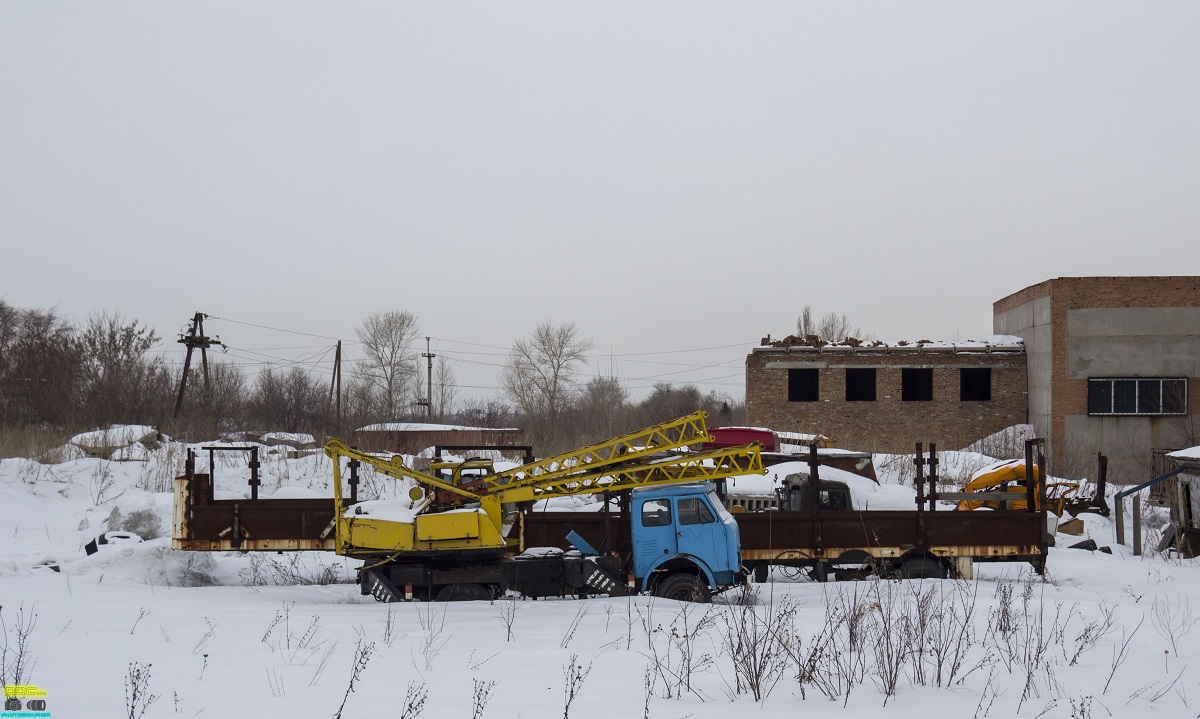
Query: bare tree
column 540, row 374
column 390, row 362
column 445, row 388
column 485, row 413
column 830, row 328
column 118, row 377
column 603, row 407
column 41, row 369
column 288, row 400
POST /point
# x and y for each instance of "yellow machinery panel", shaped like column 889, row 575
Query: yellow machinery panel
column 448, row 526
column 378, row 534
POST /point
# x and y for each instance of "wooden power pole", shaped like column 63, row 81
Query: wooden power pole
column 193, row 339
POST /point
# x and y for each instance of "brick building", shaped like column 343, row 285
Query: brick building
column 413, row 437
column 885, row 398
column 1113, row 367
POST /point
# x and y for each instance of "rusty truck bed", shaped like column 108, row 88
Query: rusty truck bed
column 787, row 537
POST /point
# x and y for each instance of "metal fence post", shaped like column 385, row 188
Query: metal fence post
column 1137, row 524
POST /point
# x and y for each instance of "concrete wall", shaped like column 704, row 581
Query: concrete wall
column 1031, row 322
column 1106, row 327
column 1129, row 342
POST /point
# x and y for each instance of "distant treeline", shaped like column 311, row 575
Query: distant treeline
column 58, row 377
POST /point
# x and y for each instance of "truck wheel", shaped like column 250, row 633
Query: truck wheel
column 922, row 568
column 683, row 587
column 762, row 573
column 462, row 593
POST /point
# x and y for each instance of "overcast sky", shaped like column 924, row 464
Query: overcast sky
column 669, row 176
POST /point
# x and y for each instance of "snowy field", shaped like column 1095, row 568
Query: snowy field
column 269, row 635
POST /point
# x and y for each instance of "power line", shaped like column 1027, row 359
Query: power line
column 280, row 329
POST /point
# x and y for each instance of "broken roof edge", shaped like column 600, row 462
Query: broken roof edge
column 988, row 344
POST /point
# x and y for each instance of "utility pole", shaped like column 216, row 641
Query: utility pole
column 335, row 392
column 428, row 380
column 193, row 339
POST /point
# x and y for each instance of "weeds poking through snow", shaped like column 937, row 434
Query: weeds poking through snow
column 362, row 655
column 1121, row 652
column 137, row 690
column 432, row 628
column 320, row 670
column 647, row 692
column 101, row 483
column 480, row 697
column 16, row 660
column 414, row 701
column 141, row 615
column 575, row 674
column 295, row 648
column 580, row 613
column 757, row 640
column 1172, row 619
column 389, row 626
column 506, row 609
column 275, row 683
column 212, row 631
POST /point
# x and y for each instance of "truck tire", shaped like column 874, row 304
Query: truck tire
column 683, row 587
column 922, row 568
column 762, row 573
column 462, row 593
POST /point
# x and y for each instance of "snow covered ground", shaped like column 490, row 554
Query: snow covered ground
column 267, row 635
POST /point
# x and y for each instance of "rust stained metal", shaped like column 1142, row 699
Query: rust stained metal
column 202, row 523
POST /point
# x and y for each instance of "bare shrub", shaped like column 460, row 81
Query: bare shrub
column 362, row 655
column 506, row 609
column 480, row 697
column 138, row 696
column 574, row 674
column 1172, row 619
column 299, row 569
column 433, row 627
column 16, row 659
column 100, row 485
column 414, row 701
column 294, row 645
column 757, row 639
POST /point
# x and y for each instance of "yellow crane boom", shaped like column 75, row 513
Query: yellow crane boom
column 625, row 462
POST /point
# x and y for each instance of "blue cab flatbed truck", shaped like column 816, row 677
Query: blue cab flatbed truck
column 683, row 544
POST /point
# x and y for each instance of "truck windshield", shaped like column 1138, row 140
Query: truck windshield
column 715, row 501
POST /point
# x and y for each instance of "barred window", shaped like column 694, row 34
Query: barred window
column 1137, row 396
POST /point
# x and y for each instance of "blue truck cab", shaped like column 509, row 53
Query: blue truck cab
column 685, row 543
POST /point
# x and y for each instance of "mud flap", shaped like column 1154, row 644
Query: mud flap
column 379, row 586
column 600, row 579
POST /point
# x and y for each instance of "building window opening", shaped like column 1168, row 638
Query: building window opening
column 1137, row 396
column 975, row 384
column 803, row 385
column 860, row 385
column 916, row 384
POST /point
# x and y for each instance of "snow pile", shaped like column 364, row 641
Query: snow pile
column 291, row 439
column 1007, row 443
column 1191, row 453
column 106, row 442
column 388, row 510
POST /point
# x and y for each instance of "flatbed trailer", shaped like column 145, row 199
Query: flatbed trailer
column 925, row 541
column 846, row 544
